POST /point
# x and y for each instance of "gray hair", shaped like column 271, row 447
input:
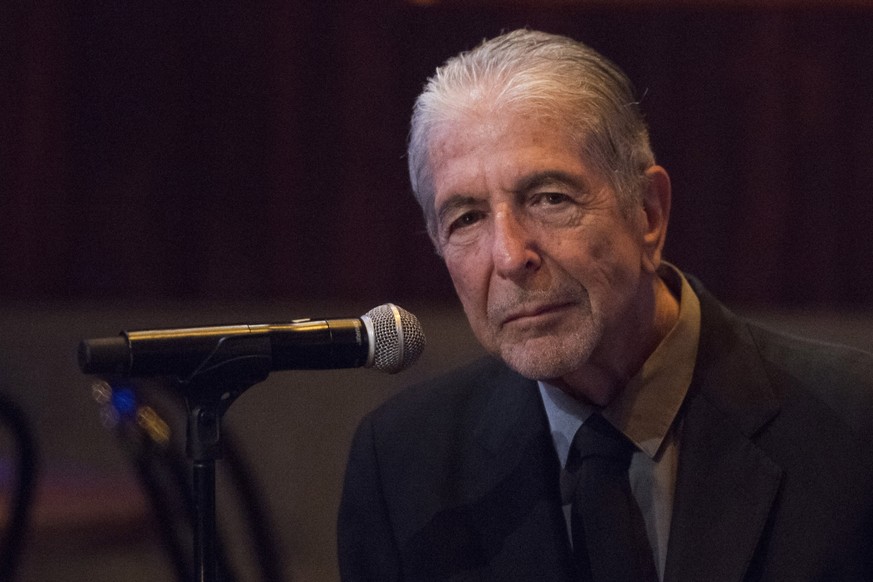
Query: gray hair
column 552, row 77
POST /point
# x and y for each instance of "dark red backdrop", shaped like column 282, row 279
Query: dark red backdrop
column 220, row 150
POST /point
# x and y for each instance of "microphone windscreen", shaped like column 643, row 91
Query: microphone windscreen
column 399, row 338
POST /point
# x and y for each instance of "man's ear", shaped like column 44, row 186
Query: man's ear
column 657, row 196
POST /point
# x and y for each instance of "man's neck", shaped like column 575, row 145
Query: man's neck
column 604, row 376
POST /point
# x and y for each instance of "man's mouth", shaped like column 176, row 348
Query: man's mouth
column 536, row 312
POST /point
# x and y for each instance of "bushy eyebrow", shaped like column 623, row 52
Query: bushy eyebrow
column 534, row 181
column 551, row 178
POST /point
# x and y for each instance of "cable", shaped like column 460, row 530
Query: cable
column 21, row 502
column 162, row 469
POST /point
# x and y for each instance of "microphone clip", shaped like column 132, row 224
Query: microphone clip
column 235, row 365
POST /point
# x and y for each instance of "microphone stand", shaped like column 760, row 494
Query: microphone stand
column 209, row 391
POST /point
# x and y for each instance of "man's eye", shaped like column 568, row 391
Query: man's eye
column 551, row 198
column 466, row 219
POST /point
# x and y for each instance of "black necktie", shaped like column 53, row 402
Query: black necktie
column 609, row 534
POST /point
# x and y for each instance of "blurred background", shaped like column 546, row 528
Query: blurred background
column 193, row 163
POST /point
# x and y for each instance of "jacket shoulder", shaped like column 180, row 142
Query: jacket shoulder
column 453, row 397
column 833, row 380
column 839, row 377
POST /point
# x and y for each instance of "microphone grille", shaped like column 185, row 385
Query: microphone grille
column 399, row 338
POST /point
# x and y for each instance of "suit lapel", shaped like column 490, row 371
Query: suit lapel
column 724, row 492
column 499, row 513
column 725, row 485
column 512, row 478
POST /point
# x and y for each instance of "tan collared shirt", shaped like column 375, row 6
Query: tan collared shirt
column 645, row 411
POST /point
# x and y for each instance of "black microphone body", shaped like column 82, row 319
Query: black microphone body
column 387, row 337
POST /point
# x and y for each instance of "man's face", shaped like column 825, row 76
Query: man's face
column 552, row 275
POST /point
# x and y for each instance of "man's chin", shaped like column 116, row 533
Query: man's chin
column 542, row 360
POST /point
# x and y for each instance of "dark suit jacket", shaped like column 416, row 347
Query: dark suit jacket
column 457, row 479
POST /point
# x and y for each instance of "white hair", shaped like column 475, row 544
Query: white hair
column 548, row 76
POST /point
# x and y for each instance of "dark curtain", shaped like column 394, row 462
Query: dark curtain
column 225, row 150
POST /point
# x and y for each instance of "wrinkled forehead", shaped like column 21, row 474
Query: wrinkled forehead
column 500, row 135
column 480, row 121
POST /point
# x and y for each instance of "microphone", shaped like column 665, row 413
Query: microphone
column 387, row 338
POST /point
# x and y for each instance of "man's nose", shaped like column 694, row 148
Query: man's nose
column 515, row 251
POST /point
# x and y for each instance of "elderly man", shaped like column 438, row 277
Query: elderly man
column 626, row 425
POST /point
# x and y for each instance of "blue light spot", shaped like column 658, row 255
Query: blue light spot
column 124, row 401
